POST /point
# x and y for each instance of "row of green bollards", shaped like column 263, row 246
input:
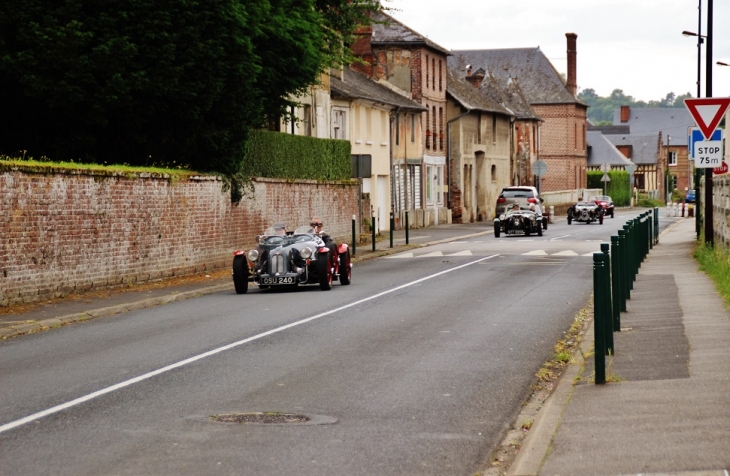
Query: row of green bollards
column 614, row 272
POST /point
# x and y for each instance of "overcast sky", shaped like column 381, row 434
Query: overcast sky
column 633, row 45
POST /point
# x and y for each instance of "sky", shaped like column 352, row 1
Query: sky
column 633, row 45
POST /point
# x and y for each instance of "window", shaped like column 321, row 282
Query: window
column 397, row 129
column 671, row 158
column 494, row 128
column 434, row 133
column 433, row 73
column 441, row 128
column 339, row 123
column 440, row 84
column 479, row 128
column 428, row 130
column 494, row 174
column 426, row 71
column 413, row 128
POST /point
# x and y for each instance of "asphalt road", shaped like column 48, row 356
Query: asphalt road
column 415, row 368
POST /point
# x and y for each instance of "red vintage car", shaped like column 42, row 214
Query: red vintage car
column 605, row 202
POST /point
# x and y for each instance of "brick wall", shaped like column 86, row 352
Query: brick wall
column 63, row 232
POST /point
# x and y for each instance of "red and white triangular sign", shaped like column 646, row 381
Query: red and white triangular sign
column 707, row 113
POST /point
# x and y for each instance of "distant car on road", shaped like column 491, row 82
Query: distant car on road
column 586, row 212
column 605, row 201
column 690, row 197
column 518, row 222
column 526, row 197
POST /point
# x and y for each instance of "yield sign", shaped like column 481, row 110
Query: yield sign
column 707, row 113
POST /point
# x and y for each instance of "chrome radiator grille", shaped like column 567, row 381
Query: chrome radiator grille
column 277, row 264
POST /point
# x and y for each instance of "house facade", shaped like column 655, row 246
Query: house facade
column 479, row 135
column 381, row 124
column 409, row 61
column 562, row 138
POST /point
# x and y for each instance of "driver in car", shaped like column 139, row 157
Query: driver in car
column 316, row 225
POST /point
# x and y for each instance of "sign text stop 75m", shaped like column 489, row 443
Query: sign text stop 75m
column 708, row 154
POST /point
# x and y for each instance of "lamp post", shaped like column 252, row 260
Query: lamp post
column 722, row 64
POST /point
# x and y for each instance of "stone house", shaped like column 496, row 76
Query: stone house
column 379, row 122
column 562, row 137
column 409, row 61
column 479, row 133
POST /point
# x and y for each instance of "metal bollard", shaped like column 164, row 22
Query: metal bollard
column 599, row 340
column 354, row 236
column 624, row 252
column 392, row 227
column 608, row 311
column 407, row 226
column 616, row 282
column 372, row 227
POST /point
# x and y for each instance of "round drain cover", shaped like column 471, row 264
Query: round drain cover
column 260, row 418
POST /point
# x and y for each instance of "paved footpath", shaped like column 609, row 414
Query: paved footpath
column 667, row 409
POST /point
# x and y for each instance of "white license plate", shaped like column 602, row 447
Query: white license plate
column 278, row 280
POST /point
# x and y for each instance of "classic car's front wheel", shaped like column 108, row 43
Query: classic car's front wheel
column 240, row 274
column 600, row 220
column 570, row 219
column 324, row 272
column 544, row 223
column 496, row 230
column 539, row 230
column 345, row 268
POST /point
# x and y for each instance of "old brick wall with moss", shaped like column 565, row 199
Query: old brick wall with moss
column 62, row 232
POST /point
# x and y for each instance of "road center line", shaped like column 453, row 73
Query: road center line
column 127, row 383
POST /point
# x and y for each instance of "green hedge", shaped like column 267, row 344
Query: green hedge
column 279, row 155
column 618, row 188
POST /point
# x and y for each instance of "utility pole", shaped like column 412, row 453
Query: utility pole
column 709, row 226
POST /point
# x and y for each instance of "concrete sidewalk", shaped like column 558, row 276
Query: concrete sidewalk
column 666, row 408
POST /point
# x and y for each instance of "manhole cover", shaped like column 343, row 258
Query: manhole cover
column 260, row 418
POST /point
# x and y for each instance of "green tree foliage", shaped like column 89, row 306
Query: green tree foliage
column 601, row 109
column 143, row 82
column 617, row 188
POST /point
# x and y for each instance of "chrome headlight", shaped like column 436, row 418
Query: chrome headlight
column 252, row 255
column 306, row 252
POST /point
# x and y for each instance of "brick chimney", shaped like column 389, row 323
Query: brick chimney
column 625, row 113
column 572, row 83
column 363, row 49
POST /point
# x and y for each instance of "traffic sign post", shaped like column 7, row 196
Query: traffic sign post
column 707, row 113
column 539, row 168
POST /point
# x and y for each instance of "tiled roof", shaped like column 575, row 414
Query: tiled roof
column 602, row 151
column 610, row 130
column 470, row 97
column 539, row 80
column 672, row 122
column 644, row 148
column 512, row 96
column 358, row 86
column 394, row 32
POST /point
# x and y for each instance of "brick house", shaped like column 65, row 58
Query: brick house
column 409, row 61
column 562, row 138
column 479, row 133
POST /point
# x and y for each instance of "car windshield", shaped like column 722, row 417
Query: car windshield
column 517, row 194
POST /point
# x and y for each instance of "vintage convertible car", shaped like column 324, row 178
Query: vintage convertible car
column 587, row 212
column 518, row 222
column 606, row 202
column 290, row 259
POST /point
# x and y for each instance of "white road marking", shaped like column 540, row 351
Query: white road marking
column 565, row 253
column 535, row 253
column 127, row 383
column 558, row 237
column 401, row 255
column 462, row 253
column 430, row 255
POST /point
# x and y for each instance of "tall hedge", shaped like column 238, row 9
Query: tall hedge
column 618, row 188
column 278, row 155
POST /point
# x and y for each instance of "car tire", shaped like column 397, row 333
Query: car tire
column 345, row 268
column 539, row 230
column 240, row 274
column 600, row 220
column 612, row 213
column 544, row 223
column 496, row 230
column 527, row 232
column 570, row 220
column 324, row 271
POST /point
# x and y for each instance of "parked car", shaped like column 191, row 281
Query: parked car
column 690, row 197
column 524, row 196
column 290, row 259
column 604, row 201
column 587, row 212
column 518, row 222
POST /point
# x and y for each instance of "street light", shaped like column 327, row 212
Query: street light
column 722, row 64
column 700, row 40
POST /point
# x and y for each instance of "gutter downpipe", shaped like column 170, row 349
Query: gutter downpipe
column 392, row 174
column 448, row 153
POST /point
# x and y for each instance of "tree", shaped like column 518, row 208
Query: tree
column 143, row 81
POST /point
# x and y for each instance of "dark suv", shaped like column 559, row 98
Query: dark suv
column 526, row 197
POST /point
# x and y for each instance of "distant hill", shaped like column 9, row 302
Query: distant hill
column 601, row 109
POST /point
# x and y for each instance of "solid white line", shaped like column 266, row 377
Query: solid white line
column 126, row 383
